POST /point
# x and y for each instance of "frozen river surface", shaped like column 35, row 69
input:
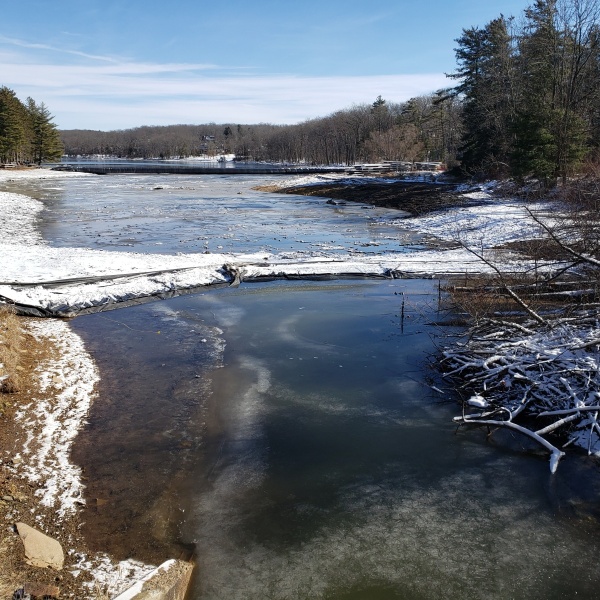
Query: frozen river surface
column 115, row 238
column 220, row 214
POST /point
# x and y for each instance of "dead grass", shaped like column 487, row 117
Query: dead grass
column 267, row 188
column 11, row 349
column 18, row 499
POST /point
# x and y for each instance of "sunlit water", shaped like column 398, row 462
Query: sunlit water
column 288, row 433
column 315, row 461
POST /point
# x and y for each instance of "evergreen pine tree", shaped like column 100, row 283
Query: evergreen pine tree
column 557, row 51
column 45, row 139
column 485, row 60
column 535, row 146
column 13, row 124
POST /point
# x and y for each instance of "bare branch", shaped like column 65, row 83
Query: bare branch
column 582, row 257
column 555, row 453
column 507, row 288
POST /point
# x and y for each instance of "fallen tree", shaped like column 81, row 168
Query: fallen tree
column 537, row 374
column 531, row 361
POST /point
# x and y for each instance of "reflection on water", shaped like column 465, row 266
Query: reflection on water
column 287, row 431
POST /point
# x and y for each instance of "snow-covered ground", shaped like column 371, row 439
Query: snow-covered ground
column 486, row 225
column 67, row 382
column 64, row 281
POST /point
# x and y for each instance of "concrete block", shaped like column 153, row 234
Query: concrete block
column 167, row 582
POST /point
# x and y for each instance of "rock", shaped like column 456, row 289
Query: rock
column 7, row 498
column 38, row 590
column 40, row 549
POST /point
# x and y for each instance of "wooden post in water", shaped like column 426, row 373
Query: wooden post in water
column 402, row 315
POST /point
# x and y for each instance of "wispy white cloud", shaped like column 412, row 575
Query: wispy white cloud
column 112, row 94
column 35, row 46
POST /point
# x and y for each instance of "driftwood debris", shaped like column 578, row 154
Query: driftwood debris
column 548, row 376
column 531, row 361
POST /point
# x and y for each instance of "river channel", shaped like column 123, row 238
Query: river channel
column 291, row 435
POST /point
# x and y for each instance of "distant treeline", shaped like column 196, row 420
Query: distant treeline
column 425, row 128
column 526, row 103
column 27, row 133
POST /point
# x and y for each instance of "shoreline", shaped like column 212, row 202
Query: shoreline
column 40, row 486
column 46, row 488
column 32, row 259
column 413, row 197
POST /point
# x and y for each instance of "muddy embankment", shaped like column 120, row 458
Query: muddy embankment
column 416, row 198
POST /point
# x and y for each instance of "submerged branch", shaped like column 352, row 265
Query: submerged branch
column 555, row 453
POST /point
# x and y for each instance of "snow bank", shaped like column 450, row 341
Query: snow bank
column 21, row 174
column 18, row 216
column 64, row 281
column 487, row 225
column 52, row 422
column 339, row 177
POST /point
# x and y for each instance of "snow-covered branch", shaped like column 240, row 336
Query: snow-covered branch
column 531, row 372
column 544, row 369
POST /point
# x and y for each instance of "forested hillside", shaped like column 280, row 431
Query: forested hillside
column 425, row 128
column 530, row 91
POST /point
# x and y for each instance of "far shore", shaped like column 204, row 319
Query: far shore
column 414, row 197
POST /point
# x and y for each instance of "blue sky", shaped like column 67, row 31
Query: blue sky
column 115, row 64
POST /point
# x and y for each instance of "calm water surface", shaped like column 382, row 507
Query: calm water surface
column 287, row 433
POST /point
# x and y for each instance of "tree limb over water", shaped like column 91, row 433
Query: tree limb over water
column 540, row 363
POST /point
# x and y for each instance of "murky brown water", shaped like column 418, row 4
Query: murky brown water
column 308, row 458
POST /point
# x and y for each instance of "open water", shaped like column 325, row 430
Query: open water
column 288, row 434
